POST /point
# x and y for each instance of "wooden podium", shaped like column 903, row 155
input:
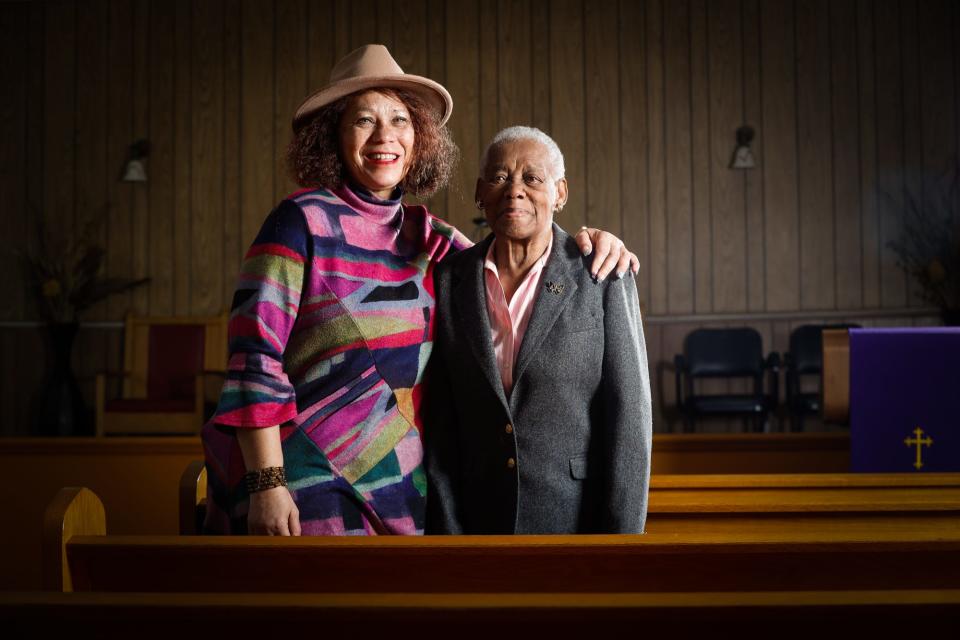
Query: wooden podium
column 836, row 376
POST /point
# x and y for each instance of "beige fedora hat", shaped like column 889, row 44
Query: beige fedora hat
column 369, row 67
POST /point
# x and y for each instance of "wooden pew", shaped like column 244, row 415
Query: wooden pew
column 151, row 467
column 192, row 498
column 769, row 554
column 727, row 503
column 693, row 502
column 853, row 614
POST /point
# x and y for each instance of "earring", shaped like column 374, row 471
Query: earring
column 479, row 204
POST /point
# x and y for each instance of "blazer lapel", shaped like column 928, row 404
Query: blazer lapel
column 556, row 289
column 470, row 300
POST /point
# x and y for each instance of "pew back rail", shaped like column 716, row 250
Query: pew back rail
column 776, row 553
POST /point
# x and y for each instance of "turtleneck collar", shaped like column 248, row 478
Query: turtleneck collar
column 372, row 208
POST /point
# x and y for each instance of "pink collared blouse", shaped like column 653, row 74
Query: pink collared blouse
column 509, row 319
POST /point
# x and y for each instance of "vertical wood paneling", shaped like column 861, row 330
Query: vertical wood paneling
column 206, row 202
column 867, row 103
column 290, row 86
column 410, row 36
column 633, row 135
column 815, row 181
column 14, row 216
column 320, row 44
column 363, row 22
column 515, row 86
column 727, row 188
column 850, row 99
column 93, row 172
column 567, row 103
column 182, row 158
column 232, row 107
column 91, row 126
column 489, row 100
column 701, row 96
column 602, row 130
column 35, row 196
column 256, row 118
column 890, row 146
column 780, row 155
column 119, row 138
column 540, row 63
column 652, row 337
column 754, row 179
column 140, row 211
column 938, row 115
column 161, row 201
column 956, row 85
column 678, row 157
column 22, row 357
column 671, row 343
column 341, row 28
column 656, row 157
column 913, row 170
column 59, row 113
column 385, row 23
column 437, row 69
column 846, row 157
column 462, row 53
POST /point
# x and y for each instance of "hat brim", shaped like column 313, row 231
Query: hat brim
column 432, row 93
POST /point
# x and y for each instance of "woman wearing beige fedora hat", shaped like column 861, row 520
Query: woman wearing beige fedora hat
column 318, row 426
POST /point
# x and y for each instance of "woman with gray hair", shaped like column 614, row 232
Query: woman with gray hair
column 538, row 416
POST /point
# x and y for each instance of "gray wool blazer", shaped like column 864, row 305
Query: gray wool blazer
column 569, row 450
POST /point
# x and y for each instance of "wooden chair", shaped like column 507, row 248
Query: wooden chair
column 167, row 362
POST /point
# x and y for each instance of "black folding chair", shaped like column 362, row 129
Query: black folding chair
column 726, row 353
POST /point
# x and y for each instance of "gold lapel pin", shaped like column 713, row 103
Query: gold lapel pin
column 555, row 288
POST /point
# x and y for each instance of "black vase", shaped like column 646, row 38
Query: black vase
column 60, row 410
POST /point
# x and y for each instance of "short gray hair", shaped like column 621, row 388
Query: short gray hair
column 510, row 134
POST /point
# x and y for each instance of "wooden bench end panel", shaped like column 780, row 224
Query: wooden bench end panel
column 74, row 511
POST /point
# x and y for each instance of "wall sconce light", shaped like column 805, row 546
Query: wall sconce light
column 742, row 156
column 134, row 170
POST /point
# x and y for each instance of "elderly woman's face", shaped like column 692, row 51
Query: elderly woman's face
column 376, row 141
column 518, row 191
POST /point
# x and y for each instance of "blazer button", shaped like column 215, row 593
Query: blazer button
column 508, row 428
column 511, row 463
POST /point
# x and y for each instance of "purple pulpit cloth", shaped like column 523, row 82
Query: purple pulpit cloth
column 905, row 399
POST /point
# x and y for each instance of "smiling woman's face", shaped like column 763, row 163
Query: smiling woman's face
column 518, row 191
column 376, row 141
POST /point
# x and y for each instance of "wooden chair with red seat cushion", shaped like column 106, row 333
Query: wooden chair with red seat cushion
column 167, row 363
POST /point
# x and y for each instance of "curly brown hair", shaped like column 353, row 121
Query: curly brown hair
column 313, row 156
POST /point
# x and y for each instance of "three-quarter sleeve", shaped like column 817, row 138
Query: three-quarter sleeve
column 257, row 391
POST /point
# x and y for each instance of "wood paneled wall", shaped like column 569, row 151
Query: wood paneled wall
column 854, row 103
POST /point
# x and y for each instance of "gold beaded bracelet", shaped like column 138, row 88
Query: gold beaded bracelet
column 266, row 478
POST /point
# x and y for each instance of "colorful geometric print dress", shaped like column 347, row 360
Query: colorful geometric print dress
column 330, row 332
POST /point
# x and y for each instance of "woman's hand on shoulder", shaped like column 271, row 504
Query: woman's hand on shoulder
column 273, row 513
column 609, row 253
